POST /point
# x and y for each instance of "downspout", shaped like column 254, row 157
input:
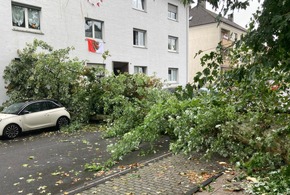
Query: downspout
column 187, row 34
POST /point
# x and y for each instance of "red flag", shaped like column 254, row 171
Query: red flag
column 95, row 46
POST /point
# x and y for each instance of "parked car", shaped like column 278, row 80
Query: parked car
column 32, row 115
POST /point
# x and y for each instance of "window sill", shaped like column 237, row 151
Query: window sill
column 98, row 40
column 28, row 30
column 172, row 82
column 139, row 46
column 173, row 51
column 141, row 10
column 172, row 19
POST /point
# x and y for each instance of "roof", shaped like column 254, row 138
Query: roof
column 201, row 16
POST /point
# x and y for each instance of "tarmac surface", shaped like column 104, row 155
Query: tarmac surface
column 53, row 163
column 167, row 174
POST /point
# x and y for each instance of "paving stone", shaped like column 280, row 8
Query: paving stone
column 165, row 176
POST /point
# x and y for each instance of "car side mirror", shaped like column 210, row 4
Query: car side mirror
column 25, row 112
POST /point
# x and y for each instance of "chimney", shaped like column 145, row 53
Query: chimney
column 202, row 3
column 231, row 17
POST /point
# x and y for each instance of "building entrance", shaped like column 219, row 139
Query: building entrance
column 120, row 67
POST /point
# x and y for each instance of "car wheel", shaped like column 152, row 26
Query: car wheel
column 11, row 131
column 62, row 121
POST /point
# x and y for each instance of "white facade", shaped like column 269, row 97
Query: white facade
column 62, row 24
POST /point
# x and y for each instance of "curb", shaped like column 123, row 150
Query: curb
column 113, row 175
column 203, row 184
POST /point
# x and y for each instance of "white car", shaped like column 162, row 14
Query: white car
column 32, row 115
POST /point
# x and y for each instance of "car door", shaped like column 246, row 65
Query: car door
column 35, row 116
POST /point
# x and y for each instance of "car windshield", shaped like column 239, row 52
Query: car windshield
column 13, row 109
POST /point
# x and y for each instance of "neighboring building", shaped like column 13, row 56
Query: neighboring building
column 204, row 35
column 141, row 35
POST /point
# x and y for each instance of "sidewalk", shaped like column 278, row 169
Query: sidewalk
column 168, row 174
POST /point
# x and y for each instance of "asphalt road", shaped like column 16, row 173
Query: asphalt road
column 53, row 162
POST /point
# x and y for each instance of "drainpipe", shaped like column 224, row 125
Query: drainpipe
column 187, row 37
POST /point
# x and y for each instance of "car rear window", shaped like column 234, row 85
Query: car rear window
column 51, row 105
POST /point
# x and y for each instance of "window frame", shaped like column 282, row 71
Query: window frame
column 136, row 3
column 143, row 68
column 93, row 31
column 171, row 14
column 27, row 9
column 169, row 47
column 171, row 78
column 136, row 41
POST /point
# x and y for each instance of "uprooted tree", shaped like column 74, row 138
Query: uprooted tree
column 247, row 116
column 245, row 119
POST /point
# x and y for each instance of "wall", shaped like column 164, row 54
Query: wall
column 205, row 38
column 62, row 25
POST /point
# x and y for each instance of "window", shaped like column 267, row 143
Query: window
column 225, row 34
column 35, row 107
column 99, row 69
column 25, row 16
column 94, row 29
column 172, row 43
column 139, row 38
column 138, row 4
column 50, row 105
column 172, row 74
column 140, row 69
column 172, row 12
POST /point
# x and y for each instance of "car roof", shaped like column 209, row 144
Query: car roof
column 41, row 100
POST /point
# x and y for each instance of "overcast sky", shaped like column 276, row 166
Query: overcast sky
column 242, row 17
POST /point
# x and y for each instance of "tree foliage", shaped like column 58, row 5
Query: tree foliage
column 42, row 72
column 258, row 89
column 247, row 119
column 226, row 5
column 270, row 42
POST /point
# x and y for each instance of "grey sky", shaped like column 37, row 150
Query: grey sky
column 242, row 17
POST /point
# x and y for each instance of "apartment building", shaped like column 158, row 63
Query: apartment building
column 148, row 36
column 205, row 32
